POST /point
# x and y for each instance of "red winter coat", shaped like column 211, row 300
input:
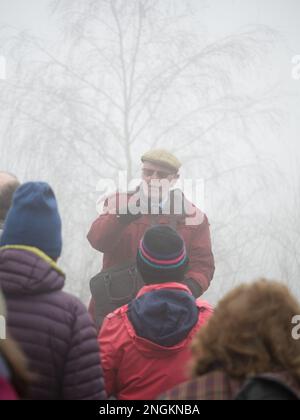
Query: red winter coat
column 136, row 368
column 7, row 392
column 119, row 243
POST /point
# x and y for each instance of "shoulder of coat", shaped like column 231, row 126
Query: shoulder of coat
column 117, row 312
column 110, row 316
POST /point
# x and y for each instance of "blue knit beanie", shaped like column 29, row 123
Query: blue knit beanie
column 34, row 220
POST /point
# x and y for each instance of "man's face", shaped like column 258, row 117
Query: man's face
column 157, row 180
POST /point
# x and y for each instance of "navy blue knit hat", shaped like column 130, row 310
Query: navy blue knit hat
column 34, row 220
column 162, row 256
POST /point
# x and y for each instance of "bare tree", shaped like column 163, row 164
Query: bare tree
column 125, row 77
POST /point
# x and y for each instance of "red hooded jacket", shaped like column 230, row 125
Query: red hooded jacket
column 137, row 368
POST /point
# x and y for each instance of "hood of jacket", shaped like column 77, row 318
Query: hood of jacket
column 163, row 316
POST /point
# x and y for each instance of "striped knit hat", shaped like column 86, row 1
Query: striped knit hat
column 162, row 256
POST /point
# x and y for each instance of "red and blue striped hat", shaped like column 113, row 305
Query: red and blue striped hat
column 162, row 255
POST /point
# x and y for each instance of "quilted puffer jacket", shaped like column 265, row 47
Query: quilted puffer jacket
column 52, row 327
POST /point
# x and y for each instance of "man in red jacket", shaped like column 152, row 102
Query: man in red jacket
column 145, row 345
column 117, row 233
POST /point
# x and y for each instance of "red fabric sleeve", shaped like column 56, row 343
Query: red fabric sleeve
column 106, row 230
column 202, row 266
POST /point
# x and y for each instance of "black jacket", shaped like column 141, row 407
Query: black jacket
column 268, row 387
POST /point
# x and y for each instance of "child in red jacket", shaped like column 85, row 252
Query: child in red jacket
column 145, row 346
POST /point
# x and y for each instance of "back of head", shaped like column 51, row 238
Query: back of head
column 8, row 185
column 250, row 333
column 33, row 220
column 162, row 255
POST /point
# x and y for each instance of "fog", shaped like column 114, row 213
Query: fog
column 90, row 85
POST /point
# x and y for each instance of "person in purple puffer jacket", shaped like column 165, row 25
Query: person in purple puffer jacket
column 52, row 327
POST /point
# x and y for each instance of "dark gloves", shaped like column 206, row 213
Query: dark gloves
column 194, row 287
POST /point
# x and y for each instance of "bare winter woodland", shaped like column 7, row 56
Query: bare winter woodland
column 123, row 77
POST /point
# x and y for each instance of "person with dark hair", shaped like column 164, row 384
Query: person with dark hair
column 145, row 344
column 246, row 351
column 52, row 327
column 8, row 186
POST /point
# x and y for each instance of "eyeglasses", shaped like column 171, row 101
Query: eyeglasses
column 159, row 174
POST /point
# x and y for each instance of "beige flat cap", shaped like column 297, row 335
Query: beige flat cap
column 162, row 157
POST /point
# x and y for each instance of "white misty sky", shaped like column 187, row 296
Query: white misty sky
column 218, row 18
column 222, row 17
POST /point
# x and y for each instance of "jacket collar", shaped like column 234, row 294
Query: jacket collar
column 36, row 252
column 28, row 271
column 283, row 378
